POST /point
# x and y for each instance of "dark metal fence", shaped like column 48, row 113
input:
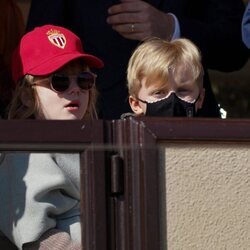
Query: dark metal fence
column 119, row 169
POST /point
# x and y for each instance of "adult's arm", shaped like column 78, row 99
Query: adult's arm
column 215, row 26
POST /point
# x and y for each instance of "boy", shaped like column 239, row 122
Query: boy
column 166, row 79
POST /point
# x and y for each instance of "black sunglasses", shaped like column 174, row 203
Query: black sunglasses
column 61, row 82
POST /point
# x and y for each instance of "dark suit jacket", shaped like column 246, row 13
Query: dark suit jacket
column 214, row 25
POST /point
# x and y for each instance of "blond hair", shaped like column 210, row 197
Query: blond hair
column 18, row 110
column 153, row 59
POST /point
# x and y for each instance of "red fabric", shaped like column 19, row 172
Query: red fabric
column 46, row 49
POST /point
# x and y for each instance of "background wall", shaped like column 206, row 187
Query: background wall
column 205, row 194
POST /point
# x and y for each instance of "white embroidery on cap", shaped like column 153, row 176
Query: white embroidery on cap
column 57, row 38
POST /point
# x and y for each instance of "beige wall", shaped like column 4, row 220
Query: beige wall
column 206, row 196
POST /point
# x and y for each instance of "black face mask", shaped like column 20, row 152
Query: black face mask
column 171, row 106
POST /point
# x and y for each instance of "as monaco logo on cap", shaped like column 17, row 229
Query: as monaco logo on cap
column 57, row 38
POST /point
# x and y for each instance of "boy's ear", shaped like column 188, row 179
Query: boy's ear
column 135, row 105
column 200, row 101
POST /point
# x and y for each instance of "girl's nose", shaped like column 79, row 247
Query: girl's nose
column 73, row 87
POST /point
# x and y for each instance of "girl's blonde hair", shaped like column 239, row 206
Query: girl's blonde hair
column 153, row 59
column 18, row 110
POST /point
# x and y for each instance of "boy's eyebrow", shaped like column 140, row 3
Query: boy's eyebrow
column 183, row 88
column 184, row 81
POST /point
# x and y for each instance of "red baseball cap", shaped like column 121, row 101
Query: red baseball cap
column 46, row 49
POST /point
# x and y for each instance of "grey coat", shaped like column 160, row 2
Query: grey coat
column 39, row 191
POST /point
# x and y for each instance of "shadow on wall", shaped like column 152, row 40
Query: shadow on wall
column 232, row 91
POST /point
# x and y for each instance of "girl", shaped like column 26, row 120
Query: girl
column 40, row 191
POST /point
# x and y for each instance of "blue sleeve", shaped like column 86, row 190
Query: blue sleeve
column 246, row 26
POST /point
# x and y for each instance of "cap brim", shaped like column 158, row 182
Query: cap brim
column 48, row 67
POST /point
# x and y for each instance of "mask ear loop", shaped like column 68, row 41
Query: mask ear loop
column 137, row 98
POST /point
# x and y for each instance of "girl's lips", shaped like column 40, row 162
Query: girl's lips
column 74, row 105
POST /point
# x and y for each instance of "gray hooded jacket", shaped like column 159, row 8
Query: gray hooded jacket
column 39, row 191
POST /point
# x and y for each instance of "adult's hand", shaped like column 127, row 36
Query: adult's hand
column 138, row 20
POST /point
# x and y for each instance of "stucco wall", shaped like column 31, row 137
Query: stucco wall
column 205, row 194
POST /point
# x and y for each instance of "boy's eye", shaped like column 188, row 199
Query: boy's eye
column 182, row 93
column 159, row 92
column 187, row 95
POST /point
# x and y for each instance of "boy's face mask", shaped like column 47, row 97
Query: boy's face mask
column 171, row 106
